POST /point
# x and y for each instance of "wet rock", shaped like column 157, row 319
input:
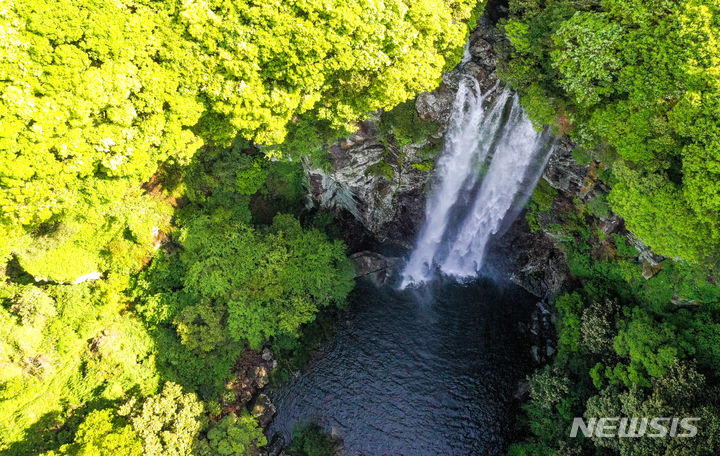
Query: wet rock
column 374, row 266
column 377, row 185
column 276, row 445
column 252, row 373
column 261, row 376
column 263, row 410
column 523, row 389
column 535, row 353
column 486, row 78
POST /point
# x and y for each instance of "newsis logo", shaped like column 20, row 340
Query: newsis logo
column 634, row 427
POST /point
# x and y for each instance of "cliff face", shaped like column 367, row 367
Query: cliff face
column 382, row 180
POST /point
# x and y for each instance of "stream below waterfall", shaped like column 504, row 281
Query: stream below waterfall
column 417, row 372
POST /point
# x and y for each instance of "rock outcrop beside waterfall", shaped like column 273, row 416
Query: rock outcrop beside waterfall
column 388, row 204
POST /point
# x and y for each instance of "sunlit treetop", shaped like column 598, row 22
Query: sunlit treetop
column 106, row 90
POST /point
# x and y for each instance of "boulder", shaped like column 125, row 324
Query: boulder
column 374, row 266
column 522, row 390
column 562, row 172
column 482, row 50
column 263, row 410
column 252, row 374
column 276, row 445
column 537, row 263
column 435, row 106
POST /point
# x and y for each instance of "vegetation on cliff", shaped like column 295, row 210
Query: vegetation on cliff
column 627, row 345
column 635, row 84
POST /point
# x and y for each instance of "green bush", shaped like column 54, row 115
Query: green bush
column 309, row 439
column 405, row 124
column 235, row 435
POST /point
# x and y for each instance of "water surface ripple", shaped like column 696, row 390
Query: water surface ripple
column 417, row 372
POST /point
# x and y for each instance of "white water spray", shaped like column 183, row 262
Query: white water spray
column 491, row 161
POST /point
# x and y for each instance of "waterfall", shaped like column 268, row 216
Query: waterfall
column 491, row 161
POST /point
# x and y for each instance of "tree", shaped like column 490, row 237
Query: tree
column 103, row 433
column 587, row 56
column 681, row 392
column 78, row 108
column 637, row 81
column 167, row 422
column 97, row 94
column 553, row 404
column 234, row 436
column 62, row 346
column 598, row 327
column 269, row 283
column 200, row 327
column 271, row 61
column 655, row 209
column 650, row 347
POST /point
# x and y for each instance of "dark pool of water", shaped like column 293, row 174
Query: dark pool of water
column 415, row 373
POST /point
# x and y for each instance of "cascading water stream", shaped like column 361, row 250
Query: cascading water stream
column 492, row 159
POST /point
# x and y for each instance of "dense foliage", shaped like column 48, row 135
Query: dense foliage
column 95, row 94
column 235, row 271
column 146, row 241
column 627, row 346
column 636, row 83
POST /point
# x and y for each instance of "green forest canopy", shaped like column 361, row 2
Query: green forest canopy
column 97, row 93
column 638, row 83
column 130, row 126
